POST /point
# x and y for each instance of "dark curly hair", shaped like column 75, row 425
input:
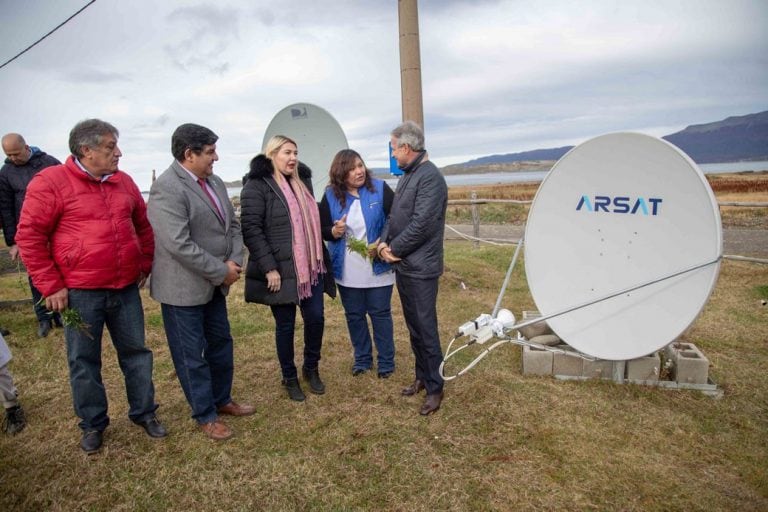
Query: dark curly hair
column 343, row 162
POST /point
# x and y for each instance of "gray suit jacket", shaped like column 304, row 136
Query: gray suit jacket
column 191, row 240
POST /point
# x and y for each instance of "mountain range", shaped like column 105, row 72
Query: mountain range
column 733, row 139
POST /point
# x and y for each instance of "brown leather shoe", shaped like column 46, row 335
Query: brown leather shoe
column 216, row 430
column 414, row 388
column 235, row 409
column 431, row 404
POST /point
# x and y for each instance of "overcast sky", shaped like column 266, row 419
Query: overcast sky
column 498, row 76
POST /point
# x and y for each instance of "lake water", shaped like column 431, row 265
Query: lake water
column 528, row 176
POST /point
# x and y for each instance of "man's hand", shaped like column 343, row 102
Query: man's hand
column 13, row 252
column 233, row 272
column 142, row 280
column 385, row 253
column 273, row 281
column 57, row 301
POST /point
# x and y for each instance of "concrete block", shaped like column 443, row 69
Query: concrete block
column 567, row 364
column 533, row 330
column 536, row 361
column 691, row 367
column 644, row 368
column 671, row 350
column 600, row 369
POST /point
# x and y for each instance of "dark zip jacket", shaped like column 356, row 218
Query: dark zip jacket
column 267, row 234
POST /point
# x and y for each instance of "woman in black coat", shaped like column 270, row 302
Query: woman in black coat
column 288, row 262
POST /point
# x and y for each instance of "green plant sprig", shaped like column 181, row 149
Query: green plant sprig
column 358, row 246
column 71, row 317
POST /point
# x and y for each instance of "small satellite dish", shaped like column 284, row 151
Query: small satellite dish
column 318, row 135
column 628, row 213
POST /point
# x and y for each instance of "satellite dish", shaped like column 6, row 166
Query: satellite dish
column 622, row 212
column 318, row 135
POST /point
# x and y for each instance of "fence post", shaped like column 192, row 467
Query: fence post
column 475, row 220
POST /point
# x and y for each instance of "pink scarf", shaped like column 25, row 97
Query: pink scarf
column 307, row 243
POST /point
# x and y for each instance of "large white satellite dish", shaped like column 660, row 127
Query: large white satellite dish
column 318, row 135
column 624, row 238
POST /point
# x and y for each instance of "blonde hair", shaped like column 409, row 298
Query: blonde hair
column 271, row 148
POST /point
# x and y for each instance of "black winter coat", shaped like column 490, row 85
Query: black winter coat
column 267, row 233
column 13, row 187
column 416, row 222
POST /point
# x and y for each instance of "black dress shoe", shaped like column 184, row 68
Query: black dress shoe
column 4, row 331
column 358, row 371
column 384, row 375
column 91, row 441
column 312, row 376
column 414, row 388
column 14, row 421
column 153, row 427
column 431, row 404
column 43, row 328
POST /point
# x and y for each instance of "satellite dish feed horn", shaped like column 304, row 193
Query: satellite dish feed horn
column 318, row 135
column 623, row 245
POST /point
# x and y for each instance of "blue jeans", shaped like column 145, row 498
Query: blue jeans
column 419, row 300
column 201, row 349
column 312, row 311
column 376, row 303
column 123, row 315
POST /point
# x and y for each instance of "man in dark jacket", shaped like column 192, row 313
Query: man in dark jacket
column 22, row 164
column 412, row 240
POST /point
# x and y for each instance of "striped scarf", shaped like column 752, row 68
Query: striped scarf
column 307, row 244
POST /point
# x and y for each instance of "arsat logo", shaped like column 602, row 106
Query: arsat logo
column 621, row 204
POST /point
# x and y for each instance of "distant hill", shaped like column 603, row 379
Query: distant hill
column 730, row 140
column 536, row 154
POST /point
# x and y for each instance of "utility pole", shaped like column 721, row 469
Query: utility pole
column 410, row 61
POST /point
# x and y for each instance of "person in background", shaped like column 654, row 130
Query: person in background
column 199, row 251
column 14, row 421
column 21, row 164
column 356, row 205
column 412, row 240
column 288, row 260
column 86, row 241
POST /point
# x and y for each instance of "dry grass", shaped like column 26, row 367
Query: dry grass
column 502, row 441
column 745, row 187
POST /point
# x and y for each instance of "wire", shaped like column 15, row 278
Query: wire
column 25, row 50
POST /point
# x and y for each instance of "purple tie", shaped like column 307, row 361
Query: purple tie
column 201, row 181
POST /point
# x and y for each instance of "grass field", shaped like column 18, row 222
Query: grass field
column 501, row 441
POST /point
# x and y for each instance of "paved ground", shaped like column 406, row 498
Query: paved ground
column 752, row 243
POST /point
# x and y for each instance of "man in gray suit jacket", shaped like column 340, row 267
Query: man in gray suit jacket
column 198, row 254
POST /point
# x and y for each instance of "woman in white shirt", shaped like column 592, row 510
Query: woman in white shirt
column 353, row 211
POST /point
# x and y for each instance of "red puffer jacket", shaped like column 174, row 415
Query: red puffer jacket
column 78, row 232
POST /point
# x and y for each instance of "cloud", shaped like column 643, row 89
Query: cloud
column 92, row 75
column 209, row 30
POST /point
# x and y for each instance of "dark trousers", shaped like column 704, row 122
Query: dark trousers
column 121, row 312
column 201, row 348
column 419, row 300
column 314, row 322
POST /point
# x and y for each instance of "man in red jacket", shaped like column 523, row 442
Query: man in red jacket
column 86, row 241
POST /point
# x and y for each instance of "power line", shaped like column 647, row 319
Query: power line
column 25, row 50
